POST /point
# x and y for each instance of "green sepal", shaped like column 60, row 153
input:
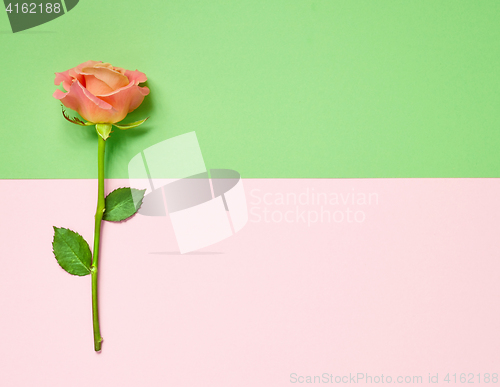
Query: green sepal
column 122, row 203
column 72, row 252
column 103, row 130
column 75, row 120
column 130, row 126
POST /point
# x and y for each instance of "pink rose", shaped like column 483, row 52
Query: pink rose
column 101, row 93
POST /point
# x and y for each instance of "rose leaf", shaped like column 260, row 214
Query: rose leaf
column 122, row 203
column 71, row 251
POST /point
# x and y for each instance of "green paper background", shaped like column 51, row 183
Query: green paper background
column 273, row 89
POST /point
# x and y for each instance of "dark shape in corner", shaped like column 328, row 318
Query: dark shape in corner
column 35, row 14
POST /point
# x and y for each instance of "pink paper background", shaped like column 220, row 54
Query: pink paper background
column 412, row 290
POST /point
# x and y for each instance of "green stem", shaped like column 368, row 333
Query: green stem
column 97, row 234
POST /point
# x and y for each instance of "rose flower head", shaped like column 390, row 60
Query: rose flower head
column 100, row 92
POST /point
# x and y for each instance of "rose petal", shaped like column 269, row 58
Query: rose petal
column 138, row 98
column 89, row 63
column 63, row 77
column 127, row 98
column 96, row 86
column 76, row 72
column 136, row 76
column 87, row 105
column 59, row 94
column 112, row 78
column 67, row 85
column 67, row 78
column 107, row 65
column 120, row 70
